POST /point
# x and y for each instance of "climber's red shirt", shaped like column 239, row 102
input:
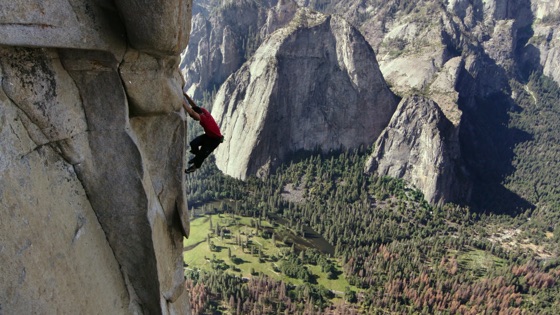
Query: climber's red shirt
column 209, row 124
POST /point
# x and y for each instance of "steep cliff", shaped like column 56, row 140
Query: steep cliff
column 543, row 49
column 421, row 146
column 92, row 203
column 224, row 37
column 312, row 84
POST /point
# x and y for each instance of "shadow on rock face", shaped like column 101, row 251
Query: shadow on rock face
column 488, row 145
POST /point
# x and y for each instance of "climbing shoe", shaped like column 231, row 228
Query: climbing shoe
column 191, row 169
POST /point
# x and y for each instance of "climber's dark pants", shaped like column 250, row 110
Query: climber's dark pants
column 202, row 146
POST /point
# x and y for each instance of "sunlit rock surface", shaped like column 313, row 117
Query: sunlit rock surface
column 92, row 204
column 312, row 84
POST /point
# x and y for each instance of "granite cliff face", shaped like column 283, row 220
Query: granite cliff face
column 222, row 41
column 403, row 31
column 92, row 203
column 421, row 146
column 312, row 84
column 543, row 48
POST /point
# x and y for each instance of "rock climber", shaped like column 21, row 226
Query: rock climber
column 207, row 142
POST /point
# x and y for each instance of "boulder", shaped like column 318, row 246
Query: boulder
column 156, row 27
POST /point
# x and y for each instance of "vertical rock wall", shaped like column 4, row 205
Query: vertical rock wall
column 312, row 84
column 222, row 40
column 544, row 47
column 422, row 146
column 92, row 203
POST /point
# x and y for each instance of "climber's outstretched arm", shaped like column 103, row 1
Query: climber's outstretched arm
column 194, row 115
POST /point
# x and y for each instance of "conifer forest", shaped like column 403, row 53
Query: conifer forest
column 321, row 237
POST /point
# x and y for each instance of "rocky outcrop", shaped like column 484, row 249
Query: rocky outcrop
column 443, row 89
column 92, row 203
column 313, row 84
column 549, row 50
column 543, row 49
column 421, row 146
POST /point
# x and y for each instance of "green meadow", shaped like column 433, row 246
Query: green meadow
column 247, row 246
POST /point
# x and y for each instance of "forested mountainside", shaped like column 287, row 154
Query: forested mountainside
column 502, row 44
column 323, row 238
